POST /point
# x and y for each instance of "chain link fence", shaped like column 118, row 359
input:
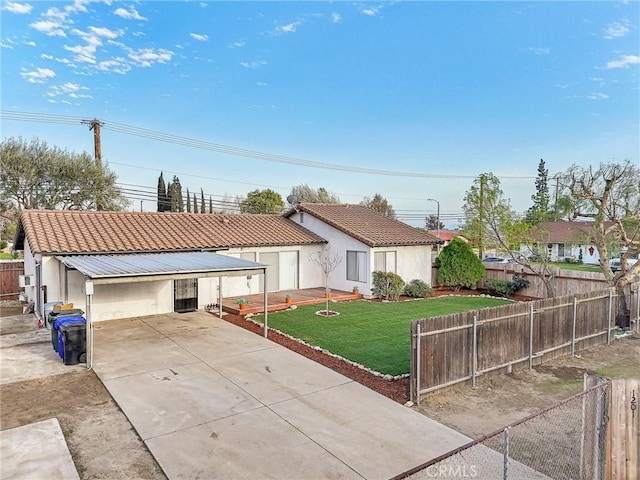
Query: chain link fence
column 563, row 442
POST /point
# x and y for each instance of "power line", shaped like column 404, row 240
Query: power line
column 230, row 150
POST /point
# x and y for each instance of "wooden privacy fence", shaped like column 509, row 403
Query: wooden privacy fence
column 460, row 347
column 10, row 270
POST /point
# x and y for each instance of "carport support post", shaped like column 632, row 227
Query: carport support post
column 88, row 288
column 266, row 304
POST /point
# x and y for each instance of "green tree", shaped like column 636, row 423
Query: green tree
column 36, row 175
column 262, row 201
column 203, row 205
column 162, row 194
column 306, row 194
column 458, row 266
column 540, row 212
column 379, row 204
column 195, row 204
column 486, row 211
column 431, row 223
column 188, row 202
column 174, row 194
column 210, row 204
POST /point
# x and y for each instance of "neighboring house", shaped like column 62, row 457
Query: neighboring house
column 566, row 240
column 366, row 241
column 447, row 236
column 135, row 264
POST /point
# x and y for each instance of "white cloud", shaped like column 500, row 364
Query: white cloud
column 539, row 50
column 105, row 32
column 145, row 57
column 39, row 75
column 46, row 56
column 257, row 64
column 87, row 53
column 116, row 65
column 131, row 14
column 371, row 11
column 49, row 27
column 597, row 96
column 236, row 45
column 624, row 62
column 199, row 37
column 288, row 28
column 616, row 30
column 19, row 8
column 30, row 43
column 336, row 17
column 6, row 45
column 262, row 84
column 562, row 85
column 72, row 90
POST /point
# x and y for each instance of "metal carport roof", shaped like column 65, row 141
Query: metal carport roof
column 125, row 268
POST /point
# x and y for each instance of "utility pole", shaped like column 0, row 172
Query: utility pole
column 95, row 125
column 481, row 211
column 438, row 220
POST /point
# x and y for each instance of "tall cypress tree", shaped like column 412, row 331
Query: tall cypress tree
column 195, row 204
column 210, row 204
column 188, row 202
column 539, row 212
column 162, row 193
column 175, row 195
column 203, row 205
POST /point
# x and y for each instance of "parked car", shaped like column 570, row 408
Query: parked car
column 495, row 260
column 616, row 264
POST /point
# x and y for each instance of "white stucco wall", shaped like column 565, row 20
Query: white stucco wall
column 411, row 262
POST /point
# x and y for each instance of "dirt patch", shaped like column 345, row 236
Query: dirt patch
column 102, row 442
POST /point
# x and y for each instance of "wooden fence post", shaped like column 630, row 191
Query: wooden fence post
column 623, row 434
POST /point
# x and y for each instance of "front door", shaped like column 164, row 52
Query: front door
column 185, row 295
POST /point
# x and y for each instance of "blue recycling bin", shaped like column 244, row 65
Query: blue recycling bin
column 56, row 341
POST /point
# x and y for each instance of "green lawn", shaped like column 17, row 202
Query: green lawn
column 373, row 334
column 576, row 266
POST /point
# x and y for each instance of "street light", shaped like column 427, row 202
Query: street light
column 437, row 220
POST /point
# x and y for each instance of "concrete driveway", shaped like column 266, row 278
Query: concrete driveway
column 212, row 400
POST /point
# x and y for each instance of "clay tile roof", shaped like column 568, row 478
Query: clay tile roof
column 66, row 231
column 369, row 227
column 566, row 232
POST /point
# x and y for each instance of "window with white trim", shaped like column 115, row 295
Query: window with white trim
column 384, row 262
column 356, row 266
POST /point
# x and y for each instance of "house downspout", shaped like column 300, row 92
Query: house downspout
column 39, row 306
column 88, row 290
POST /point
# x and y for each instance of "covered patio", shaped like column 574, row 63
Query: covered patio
column 278, row 300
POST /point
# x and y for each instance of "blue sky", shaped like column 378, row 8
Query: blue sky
column 433, row 93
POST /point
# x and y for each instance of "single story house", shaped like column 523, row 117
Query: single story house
column 146, row 263
column 562, row 240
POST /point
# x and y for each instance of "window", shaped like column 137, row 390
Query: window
column 356, row 266
column 561, row 249
column 384, row 261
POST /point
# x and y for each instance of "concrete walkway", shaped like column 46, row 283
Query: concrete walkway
column 212, row 400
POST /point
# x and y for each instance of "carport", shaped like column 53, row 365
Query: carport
column 131, row 268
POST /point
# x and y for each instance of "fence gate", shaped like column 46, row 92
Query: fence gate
column 185, row 295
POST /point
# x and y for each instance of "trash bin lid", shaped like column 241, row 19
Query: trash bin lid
column 72, row 319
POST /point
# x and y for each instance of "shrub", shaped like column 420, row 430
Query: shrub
column 3, row 244
column 518, row 282
column 459, row 266
column 504, row 288
column 387, row 285
column 416, row 288
column 500, row 288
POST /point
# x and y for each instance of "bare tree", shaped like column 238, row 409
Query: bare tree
column 328, row 261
